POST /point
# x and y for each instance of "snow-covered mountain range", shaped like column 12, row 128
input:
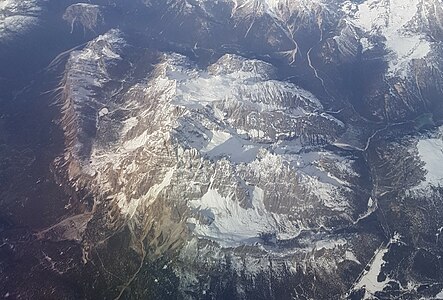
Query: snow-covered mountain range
column 227, row 154
column 265, row 149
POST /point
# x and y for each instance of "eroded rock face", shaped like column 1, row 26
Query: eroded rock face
column 220, row 159
column 89, row 16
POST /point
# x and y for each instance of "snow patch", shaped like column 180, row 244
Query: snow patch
column 237, row 150
column 431, row 153
column 103, row 112
column 329, row 244
column 218, row 138
column 369, row 279
column 351, row 257
column 232, row 225
column 390, row 19
column 366, row 44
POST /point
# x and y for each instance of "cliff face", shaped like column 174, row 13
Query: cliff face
column 88, row 16
column 87, row 85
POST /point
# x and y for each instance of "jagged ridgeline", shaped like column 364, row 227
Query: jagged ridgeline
column 186, row 159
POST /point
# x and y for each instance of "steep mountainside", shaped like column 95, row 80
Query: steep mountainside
column 227, row 155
